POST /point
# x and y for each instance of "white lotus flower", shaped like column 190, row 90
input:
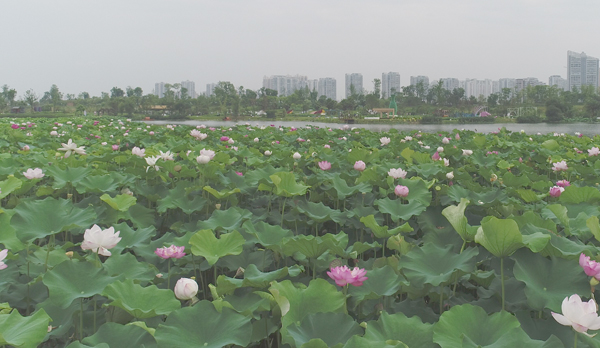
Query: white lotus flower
column 99, row 240
column 70, row 147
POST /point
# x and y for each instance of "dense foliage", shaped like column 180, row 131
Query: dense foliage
column 465, row 238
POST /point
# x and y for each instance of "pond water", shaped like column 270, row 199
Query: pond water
column 529, row 128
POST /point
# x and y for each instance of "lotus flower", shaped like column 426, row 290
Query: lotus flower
column 3, row 255
column 594, row 151
column 175, row 252
column 384, row 141
column 360, row 166
column 151, row 161
column 436, row 156
column 556, row 191
column 467, row 152
column 560, row 166
column 34, row 173
column 138, row 152
column 268, row 153
column 224, row 138
column 166, row 156
column 591, row 268
column 563, row 183
column 446, row 140
column 401, row 191
column 185, row 289
column 99, row 240
column 296, row 156
column 209, row 153
column 202, row 159
column 450, row 175
column 580, row 315
column 71, row 147
column 342, row 275
column 397, row 173
column 324, row 165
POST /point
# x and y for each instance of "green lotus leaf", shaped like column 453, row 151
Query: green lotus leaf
column 558, row 246
column 332, row 328
column 8, row 237
column 72, row 279
column 417, row 190
column 71, row 175
column 319, row 212
column 286, row 185
column 78, row 344
column 551, row 145
column 510, row 180
column 9, row 185
column 139, row 215
column 23, row 332
column 426, row 169
column 411, row 331
column 313, row 247
column 131, row 238
column 470, row 326
column 270, row 236
column 456, row 217
column 117, row 335
column 120, row 202
column 319, row 343
column 221, row 194
column 369, row 175
column 126, row 266
column 141, row 302
column 558, row 212
column 361, row 342
column 399, row 211
column 529, row 196
column 549, row 281
column 257, row 279
column 594, row 226
column 38, row 219
column 343, row 190
column 576, row 195
column 501, row 237
column 204, row 243
column 382, row 281
column 382, row 231
column 103, row 183
column 250, row 304
column 407, row 154
column 319, row 297
column 530, row 217
column 202, row 326
column 229, row 220
column 435, row 265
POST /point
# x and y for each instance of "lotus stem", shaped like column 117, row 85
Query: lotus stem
column 94, row 313
column 80, row 318
column 169, row 273
column 441, row 300
column 283, row 210
column 575, row 343
column 502, row 279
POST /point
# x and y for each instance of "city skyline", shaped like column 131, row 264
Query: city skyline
column 95, row 46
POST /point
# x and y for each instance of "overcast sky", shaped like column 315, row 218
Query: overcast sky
column 96, row 45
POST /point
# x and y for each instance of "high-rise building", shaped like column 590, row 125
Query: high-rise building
column 556, row 80
column 450, row 83
column 210, row 89
column 356, row 81
column 159, row 89
column 478, row 88
column 285, row 85
column 581, row 70
column 414, row 80
column 390, row 84
column 313, row 85
column 191, row 88
column 327, row 87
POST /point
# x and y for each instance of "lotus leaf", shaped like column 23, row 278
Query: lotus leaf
column 23, row 332
column 116, row 335
column 120, row 202
column 286, row 185
column 411, row 331
column 141, row 302
column 332, row 328
column 204, row 243
column 382, row 282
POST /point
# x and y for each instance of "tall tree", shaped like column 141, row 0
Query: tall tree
column 55, row 97
column 30, row 98
column 9, row 94
column 377, row 87
column 116, row 92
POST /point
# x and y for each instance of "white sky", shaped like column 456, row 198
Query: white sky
column 94, row 45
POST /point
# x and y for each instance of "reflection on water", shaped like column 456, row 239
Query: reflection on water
column 584, row 128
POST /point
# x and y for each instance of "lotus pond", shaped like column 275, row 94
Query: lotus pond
column 119, row 234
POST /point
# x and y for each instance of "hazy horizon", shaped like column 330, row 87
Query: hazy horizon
column 94, row 46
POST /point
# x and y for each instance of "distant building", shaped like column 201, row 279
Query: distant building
column 556, row 80
column 355, row 80
column 313, row 85
column 477, row 88
column 210, row 89
column 327, row 86
column 390, row 83
column 581, row 70
column 450, row 83
column 414, row 80
column 191, row 88
column 521, row 84
column 159, row 89
column 285, row 84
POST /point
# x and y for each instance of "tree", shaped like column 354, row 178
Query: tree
column 116, row 92
column 55, row 97
column 30, row 98
column 592, row 106
column 84, row 95
column 9, row 94
column 492, row 99
column 377, row 87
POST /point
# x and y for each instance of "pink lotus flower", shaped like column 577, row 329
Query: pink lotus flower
column 99, row 240
column 324, row 165
column 436, row 156
column 14, row 126
column 327, row 146
column 591, row 268
column 556, row 191
column 563, row 183
column 224, row 138
column 175, row 252
column 457, row 136
column 446, row 140
column 560, row 166
column 36, row 173
column 343, row 275
column 397, row 173
column 115, row 147
column 360, row 166
column 401, row 191
column 239, row 173
column 138, row 152
column 185, row 289
column 581, row 316
column 3, row 255
column 594, row 151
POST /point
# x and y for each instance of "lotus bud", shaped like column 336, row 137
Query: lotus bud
column 69, row 254
column 69, row 195
column 177, row 168
column 185, row 289
column 240, row 272
column 335, row 263
column 159, row 275
column 218, row 206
